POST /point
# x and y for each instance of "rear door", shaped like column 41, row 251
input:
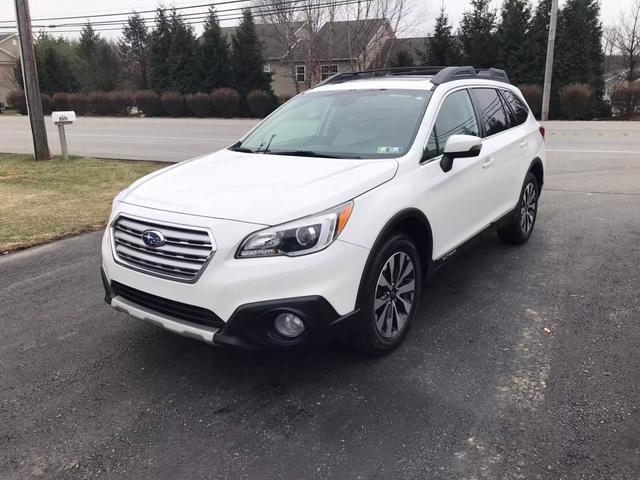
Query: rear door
column 502, row 143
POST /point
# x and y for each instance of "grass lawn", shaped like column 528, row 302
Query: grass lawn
column 42, row 201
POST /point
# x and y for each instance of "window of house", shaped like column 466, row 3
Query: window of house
column 266, row 68
column 301, row 73
column 327, row 71
column 14, row 42
column 456, row 117
column 492, row 111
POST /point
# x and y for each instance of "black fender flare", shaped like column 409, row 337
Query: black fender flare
column 390, row 226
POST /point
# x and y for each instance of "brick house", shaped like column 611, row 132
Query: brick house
column 9, row 56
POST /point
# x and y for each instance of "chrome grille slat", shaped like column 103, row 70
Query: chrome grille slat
column 168, row 250
column 183, row 255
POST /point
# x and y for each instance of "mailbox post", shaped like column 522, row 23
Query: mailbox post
column 61, row 119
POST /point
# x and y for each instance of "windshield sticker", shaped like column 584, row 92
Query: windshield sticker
column 389, row 149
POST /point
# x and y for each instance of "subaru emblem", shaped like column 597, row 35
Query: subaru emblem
column 153, row 238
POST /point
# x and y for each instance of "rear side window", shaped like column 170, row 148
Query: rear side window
column 492, row 111
column 519, row 108
column 456, row 117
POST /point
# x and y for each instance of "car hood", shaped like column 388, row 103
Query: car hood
column 258, row 188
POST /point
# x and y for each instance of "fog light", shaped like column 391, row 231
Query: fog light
column 289, row 325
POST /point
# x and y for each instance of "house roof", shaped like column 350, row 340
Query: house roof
column 272, row 36
column 415, row 46
column 335, row 40
column 347, row 39
column 6, row 36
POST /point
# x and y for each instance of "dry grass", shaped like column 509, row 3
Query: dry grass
column 42, row 201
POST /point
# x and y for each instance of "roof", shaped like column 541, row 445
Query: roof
column 343, row 40
column 347, row 39
column 6, row 36
column 273, row 37
column 415, row 46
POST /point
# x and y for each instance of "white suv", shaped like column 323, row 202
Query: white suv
column 327, row 218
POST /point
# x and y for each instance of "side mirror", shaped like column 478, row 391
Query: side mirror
column 460, row 146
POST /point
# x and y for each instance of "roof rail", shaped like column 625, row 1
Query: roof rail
column 440, row 74
column 381, row 72
column 450, row 74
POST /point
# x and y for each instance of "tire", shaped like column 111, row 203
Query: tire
column 389, row 295
column 519, row 230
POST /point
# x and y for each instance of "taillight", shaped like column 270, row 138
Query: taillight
column 542, row 131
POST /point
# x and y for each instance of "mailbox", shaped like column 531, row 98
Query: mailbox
column 63, row 118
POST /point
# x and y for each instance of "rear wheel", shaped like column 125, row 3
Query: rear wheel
column 520, row 229
column 390, row 294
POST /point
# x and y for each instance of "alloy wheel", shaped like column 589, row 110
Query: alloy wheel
column 528, row 208
column 394, row 295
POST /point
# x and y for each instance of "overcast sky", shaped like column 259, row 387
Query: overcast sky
column 47, row 8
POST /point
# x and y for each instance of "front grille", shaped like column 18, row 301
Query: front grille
column 182, row 256
column 182, row 311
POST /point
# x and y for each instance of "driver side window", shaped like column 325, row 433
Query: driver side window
column 456, row 117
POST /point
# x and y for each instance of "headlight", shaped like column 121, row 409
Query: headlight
column 300, row 237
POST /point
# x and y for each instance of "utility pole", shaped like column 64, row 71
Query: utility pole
column 548, row 70
column 30, row 80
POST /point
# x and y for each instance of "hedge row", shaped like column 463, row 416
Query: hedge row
column 221, row 102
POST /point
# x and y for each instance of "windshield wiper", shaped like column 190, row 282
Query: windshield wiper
column 309, row 153
column 237, row 148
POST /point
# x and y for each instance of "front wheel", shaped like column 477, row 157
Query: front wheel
column 390, row 294
column 520, row 229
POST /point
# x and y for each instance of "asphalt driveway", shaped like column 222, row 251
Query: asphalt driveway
column 523, row 363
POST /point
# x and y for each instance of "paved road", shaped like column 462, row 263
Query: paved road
column 163, row 139
column 171, row 140
column 477, row 391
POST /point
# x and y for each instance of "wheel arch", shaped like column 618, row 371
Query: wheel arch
column 537, row 169
column 413, row 223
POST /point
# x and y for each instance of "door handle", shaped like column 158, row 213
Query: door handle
column 524, row 143
column 489, row 163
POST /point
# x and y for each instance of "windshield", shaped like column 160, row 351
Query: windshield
column 341, row 124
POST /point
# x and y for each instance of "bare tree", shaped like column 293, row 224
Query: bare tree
column 625, row 37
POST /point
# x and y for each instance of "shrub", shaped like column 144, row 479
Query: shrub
column 225, row 101
column 17, row 100
column 121, row 102
column 199, row 104
column 173, row 104
column 533, row 95
column 148, row 102
column 574, row 100
column 259, row 103
column 79, row 103
column 100, row 103
column 46, row 103
column 625, row 99
column 61, row 102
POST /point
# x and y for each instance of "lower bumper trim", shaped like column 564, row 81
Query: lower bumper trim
column 174, row 325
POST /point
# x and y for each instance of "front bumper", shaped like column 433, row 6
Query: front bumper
column 251, row 325
column 240, row 294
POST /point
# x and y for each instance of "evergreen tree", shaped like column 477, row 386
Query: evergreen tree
column 56, row 63
column 477, row 34
column 133, row 47
column 441, row 48
column 579, row 56
column 215, row 54
column 536, row 42
column 159, row 45
column 99, row 65
column 511, row 39
column 184, row 70
column 247, row 61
